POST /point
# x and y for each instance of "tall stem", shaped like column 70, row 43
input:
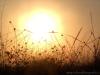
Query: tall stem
column 1, row 30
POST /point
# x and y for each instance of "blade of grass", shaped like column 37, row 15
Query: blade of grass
column 76, row 37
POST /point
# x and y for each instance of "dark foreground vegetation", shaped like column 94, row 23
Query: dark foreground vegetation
column 64, row 59
column 15, row 64
column 44, row 67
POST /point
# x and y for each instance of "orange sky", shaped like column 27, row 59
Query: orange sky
column 74, row 13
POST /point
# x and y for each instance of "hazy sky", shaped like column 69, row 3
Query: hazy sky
column 74, row 13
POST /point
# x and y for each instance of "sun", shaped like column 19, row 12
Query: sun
column 40, row 23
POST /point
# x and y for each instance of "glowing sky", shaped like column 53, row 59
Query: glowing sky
column 74, row 13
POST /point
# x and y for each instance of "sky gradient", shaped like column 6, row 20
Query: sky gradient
column 74, row 13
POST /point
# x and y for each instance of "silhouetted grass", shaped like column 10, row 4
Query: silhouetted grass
column 17, row 59
column 61, row 58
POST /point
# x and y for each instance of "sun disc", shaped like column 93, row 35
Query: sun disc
column 40, row 24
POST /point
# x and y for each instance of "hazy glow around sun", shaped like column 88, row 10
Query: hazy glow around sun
column 40, row 23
